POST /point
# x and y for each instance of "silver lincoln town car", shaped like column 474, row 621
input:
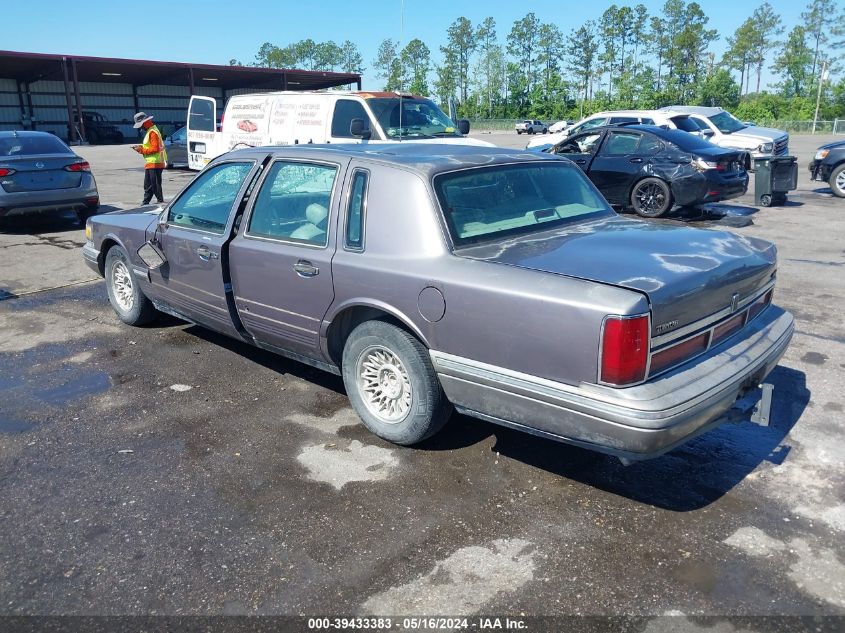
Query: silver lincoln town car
column 494, row 282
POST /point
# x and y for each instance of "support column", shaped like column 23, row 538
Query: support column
column 79, row 116
column 29, row 103
column 71, row 127
column 191, row 80
column 359, row 84
column 284, row 81
column 21, row 103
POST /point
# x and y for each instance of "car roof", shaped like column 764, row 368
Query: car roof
column 702, row 110
column 426, row 159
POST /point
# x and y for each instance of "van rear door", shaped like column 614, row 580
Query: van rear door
column 203, row 138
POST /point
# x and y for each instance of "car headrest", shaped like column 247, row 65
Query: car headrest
column 316, row 214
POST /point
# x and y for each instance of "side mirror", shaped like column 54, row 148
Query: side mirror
column 151, row 255
column 359, row 128
column 463, row 126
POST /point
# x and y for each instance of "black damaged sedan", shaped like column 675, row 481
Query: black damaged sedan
column 651, row 169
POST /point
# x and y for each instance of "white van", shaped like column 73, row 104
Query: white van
column 290, row 118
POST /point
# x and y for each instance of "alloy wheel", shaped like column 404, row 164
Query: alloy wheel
column 384, row 384
column 122, row 288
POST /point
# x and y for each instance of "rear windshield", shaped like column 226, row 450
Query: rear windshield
column 30, row 145
column 686, row 124
column 494, row 202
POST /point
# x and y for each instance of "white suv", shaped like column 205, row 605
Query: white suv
column 725, row 130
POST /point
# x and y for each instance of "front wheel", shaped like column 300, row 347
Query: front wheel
column 651, row 198
column 837, row 181
column 766, row 200
column 130, row 304
column 392, row 385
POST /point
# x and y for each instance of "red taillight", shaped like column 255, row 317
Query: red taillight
column 83, row 166
column 677, row 353
column 729, row 327
column 624, row 349
column 6, row 172
column 757, row 307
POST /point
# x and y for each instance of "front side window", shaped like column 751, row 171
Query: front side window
column 207, row 203
column 355, row 212
column 412, row 117
column 294, row 202
column 505, row 200
column 585, row 144
column 344, row 111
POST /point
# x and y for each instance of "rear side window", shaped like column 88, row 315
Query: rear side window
column 294, row 203
column 206, row 205
column 31, row 145
column 621, row 143
column 649, row 145
column 356, row 211
column 344, row 111
column 647, row 121
column 685, row 123
column 624, row 119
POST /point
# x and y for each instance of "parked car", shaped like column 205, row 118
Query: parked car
column 40, row 174
column 828, row 165
column 560, row 126
column 98, row 129
column 620, row 117
column 651, row 169
column 309, row 117
column 531, row 127
column 725, row 130
column 177, row 148
column 521, row 298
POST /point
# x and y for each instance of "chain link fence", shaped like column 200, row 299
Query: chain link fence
column 793, row 127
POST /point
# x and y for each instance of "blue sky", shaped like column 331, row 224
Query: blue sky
column 214, row 31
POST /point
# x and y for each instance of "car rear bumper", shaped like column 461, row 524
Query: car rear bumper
column 637, row 422
column 22, row 203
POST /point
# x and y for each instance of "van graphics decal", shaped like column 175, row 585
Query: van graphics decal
column 250, row 119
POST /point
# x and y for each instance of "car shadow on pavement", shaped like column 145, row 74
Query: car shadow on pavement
column 688, row 478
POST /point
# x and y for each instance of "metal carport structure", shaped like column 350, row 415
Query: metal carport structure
column 50, row 92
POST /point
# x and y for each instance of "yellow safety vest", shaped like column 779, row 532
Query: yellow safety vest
column 158, row 157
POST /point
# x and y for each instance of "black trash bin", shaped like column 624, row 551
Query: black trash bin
column 774, row 176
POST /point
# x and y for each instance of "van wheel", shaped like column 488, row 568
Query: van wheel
column 392, row 385
column 837, row 181
column 130, row 304
column 651, row 197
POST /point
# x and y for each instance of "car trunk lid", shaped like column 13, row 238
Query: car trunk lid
column 686, row 273
column 39, row 173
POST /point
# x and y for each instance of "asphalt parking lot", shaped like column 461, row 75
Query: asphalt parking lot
column 169, row 470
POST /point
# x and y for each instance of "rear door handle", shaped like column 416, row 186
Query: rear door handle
column 636, row 160
column 206, row 253
column 581, row 161
column 304, row 268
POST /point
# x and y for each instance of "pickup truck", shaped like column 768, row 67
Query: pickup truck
column 433, row 278
column 531, row 127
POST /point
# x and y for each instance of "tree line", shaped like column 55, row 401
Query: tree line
column 626, row 58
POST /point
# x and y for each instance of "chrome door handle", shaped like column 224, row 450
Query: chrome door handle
column 206, row 253
column 305, row 268
column 581, row 161
column 636, row 160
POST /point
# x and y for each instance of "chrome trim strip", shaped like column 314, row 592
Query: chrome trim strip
column 663, row 339
column 266, row 318
column 182, row 283
column 264, row 305
column 190, row 298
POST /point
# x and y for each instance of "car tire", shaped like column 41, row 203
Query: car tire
column 766, row 200
column 92, row 137
column 392, row 385
column 837, row 181
column 651, row 197
column 131, row 305
column 518, row 132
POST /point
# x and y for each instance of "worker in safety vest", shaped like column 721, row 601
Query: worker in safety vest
column 155, row 157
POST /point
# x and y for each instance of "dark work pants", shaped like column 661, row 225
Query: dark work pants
column 152, row 185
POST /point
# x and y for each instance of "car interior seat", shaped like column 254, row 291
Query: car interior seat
column 315, row 229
